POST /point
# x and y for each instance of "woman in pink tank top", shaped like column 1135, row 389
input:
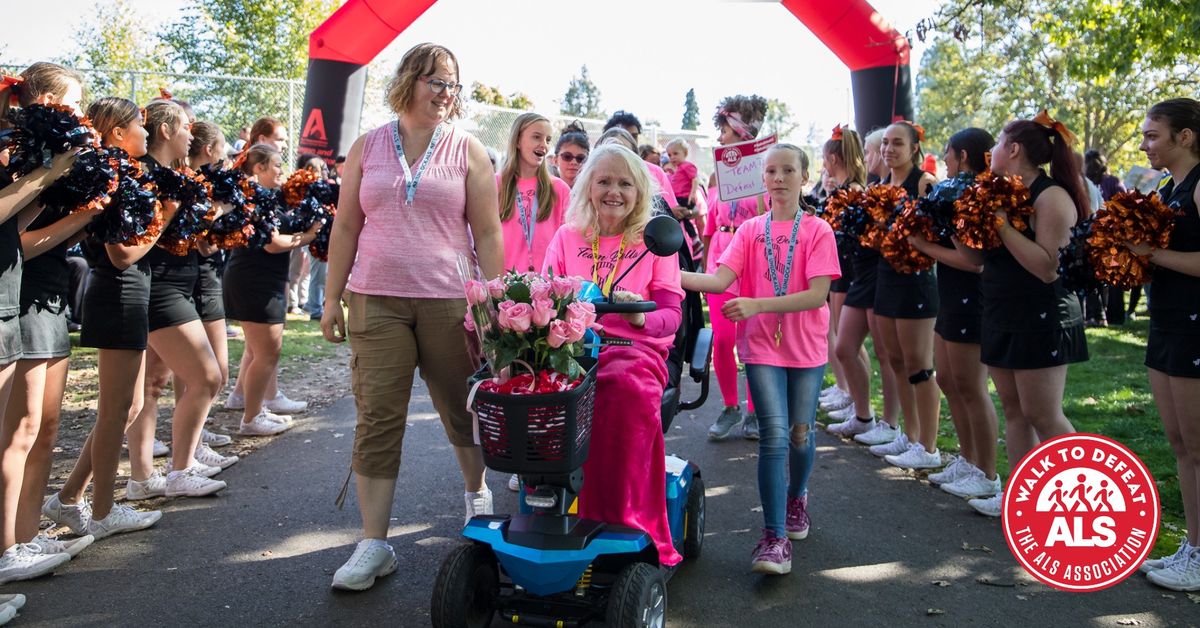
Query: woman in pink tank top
column 416, row 194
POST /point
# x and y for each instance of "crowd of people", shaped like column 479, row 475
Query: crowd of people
column 786, row 294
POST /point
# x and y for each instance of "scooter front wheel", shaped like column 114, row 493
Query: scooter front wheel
column 638, row 598
column 466, row 588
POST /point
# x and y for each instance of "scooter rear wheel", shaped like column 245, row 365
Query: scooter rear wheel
column 638, row 598
column 693, row 529
column 466, row 588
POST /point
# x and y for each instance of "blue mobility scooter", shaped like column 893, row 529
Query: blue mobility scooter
column 547, row 566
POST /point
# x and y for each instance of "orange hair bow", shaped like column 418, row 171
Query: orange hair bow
column 10, row 83
column 162, row 91
column 837, row 133
column 916, row 127
column 1043, row 118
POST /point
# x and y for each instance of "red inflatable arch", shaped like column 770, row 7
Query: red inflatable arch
column 340, row 49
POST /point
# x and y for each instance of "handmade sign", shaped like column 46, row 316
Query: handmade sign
column 740, row 168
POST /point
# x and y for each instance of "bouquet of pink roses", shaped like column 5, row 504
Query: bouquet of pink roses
column 534, row 322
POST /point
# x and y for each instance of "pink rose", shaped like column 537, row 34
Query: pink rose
column 517, row 316
column 469, row 321
column 561, row 287
column 580, row 311
column 476, row 292
column 496, row 288
column 560, row 333
column 543, row 311
column 577, row 330
column 576, row 283
column 539, row 289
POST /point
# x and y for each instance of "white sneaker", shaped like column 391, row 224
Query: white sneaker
column 207, row 471
column 7, row 613
column 123, row 519
column 827, row 391
column 77, row 517
column 160, row 449
column 1181, row 575
column 235, row 402
column 974, row 485
column 478, row 503
column 881, row 434
column 285, row 419
column 836, row 401
column 70, row 547
column 191, row 483
column 1154, row 564
column 26, row 560
column 153, row 486
column 898, row 446
column 262, row 426
column 372, row 558
column 213, row 439
column 514, row 483
column 989, row 506
column 957, row 469
column 15, row 601
column 848, row 412
column 283, row 405
column 916, row 458
column 206, row 456
column 851, row 427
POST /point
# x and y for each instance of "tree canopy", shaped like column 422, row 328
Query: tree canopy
column 582, row 98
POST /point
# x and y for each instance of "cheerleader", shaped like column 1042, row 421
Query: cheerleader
column 532, row 202
column 1032, row 327
column 117, row 323
column 255, row 293
column 906, row 306
column 178, row 344
column 857, row 317
column 1171, row 141
column 30, row 420
column 960, row 375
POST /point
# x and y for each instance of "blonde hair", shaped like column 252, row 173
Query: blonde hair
column 158, row 113
column 421, row 61
column 112, row 112
column 546, row 196
column 680, row 144
column 582, row 216
column 849, row 150
column 255, row 155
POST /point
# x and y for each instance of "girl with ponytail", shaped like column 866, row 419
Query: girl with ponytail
column 1032, row 327
column 533, row 203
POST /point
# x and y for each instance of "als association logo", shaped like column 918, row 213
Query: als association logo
column 1081, row 512
column 731, row 156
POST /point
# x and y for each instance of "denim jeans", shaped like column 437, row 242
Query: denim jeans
column 786, row 402
column 316, row 287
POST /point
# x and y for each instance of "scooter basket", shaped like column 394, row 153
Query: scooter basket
column 534, row 434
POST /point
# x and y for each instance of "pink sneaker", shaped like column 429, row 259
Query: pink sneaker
column 772, row 555
column 797, row 518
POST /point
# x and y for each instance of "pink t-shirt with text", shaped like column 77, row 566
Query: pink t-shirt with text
column 517, row 253
column 804, row 342
column 719, row 215
column 682, row 178
column 570, row 254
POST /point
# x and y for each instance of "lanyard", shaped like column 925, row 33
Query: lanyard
column 606, row 289
column 411, row 180
column 781, row 289
column 527, row 218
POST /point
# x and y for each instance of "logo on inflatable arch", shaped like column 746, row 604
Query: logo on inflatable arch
column 1081, row 512
column 731, row 156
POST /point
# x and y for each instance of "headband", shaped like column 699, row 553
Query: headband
column 743, row 130
column 164, row 94
column 11, row 82
column 837, row 133
column 1043, row 118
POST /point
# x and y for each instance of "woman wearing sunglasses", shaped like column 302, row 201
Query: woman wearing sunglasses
column 571, row 151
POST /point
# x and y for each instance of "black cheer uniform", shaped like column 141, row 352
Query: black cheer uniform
column 116, row 303
column 256, row 286
column 172, row 282
column 207, row 292
column 959, row 309
column 45, row 281
column 906, row 295
column 10, row 284
column 1027, row 323
column 1173, row 346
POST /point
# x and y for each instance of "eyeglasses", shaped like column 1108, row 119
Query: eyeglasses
column 438, row 86
column 568, row 157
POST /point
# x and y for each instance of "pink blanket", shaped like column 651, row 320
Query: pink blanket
column 625, row 474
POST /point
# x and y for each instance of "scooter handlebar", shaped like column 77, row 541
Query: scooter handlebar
column 633, row 307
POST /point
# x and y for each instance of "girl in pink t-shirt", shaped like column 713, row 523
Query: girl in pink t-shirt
column 532, row 202
column 783, row 325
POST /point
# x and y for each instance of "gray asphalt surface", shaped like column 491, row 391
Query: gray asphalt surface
column 263, row 552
